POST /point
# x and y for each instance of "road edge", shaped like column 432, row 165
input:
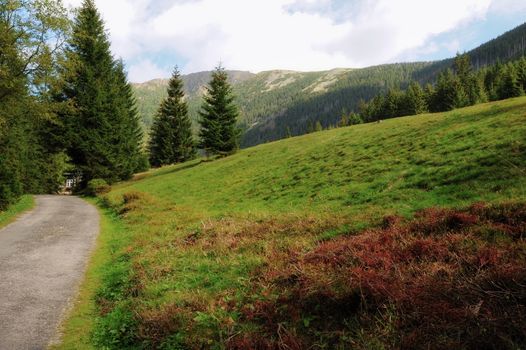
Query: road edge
column 24, row 205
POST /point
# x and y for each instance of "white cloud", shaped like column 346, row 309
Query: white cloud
column 388, row 28
column 145, row 70
column 508, row 6
column 287, row 34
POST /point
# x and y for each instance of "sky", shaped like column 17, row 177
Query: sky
column 153, row 36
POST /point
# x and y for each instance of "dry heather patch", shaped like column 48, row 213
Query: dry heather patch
column 446, row 279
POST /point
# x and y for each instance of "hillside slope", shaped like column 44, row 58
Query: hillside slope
column 276, row 103
column 262, row 249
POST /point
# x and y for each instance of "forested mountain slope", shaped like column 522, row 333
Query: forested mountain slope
column 275, row 104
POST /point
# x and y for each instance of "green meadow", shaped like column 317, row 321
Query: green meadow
column 184, row 256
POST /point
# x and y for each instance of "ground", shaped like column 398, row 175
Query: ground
column 42, row 259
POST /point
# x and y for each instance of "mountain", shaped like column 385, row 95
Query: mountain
column 149, row 94
column 275, row 104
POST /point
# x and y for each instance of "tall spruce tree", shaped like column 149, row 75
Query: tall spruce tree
column 101, row 125
column 449, row 93
column 415, row 100
column 219, row 133
column 171, row 139
column 470, row 83
column 521, row 72
column 128, row 139
column 509, row 85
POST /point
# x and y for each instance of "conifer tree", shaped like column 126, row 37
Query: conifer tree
column 128, row 139
column 509, row 85
column 473, row 89
column 449, row 93
column 219, row 134
column 171, row 139
column 521, row 73
column 392, row 104
column 415, row 100
column 355, row 119
column 101, row 125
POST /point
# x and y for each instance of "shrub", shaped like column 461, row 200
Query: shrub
column 97, row 187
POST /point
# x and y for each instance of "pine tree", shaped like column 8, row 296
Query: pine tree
column 493, row 79
column 355, row 119
column 171, row 139
column 101, row 125
column 344, row 119
column 219, row 134
column 472, row 86
column 414, row 100
column 127, row 141
column 449, row 93
column 429, row 95
column 509, row 85
column 521, row 72
column 392, row 104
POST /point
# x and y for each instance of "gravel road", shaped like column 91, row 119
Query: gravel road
column 43, row 257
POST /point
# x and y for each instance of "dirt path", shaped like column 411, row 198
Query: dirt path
column 42, row 260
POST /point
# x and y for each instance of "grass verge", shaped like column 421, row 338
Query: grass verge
column 25, row 203
column 77, row 328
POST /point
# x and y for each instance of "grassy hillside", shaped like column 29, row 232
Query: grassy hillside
column 308, row 242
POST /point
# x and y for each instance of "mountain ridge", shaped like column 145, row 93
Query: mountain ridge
column 277, row 103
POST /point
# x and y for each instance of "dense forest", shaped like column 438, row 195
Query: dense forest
column 30, row 37
column 66, row 104
column 455, row 88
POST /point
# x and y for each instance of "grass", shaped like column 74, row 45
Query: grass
column 77, row 329
column 24, row 204
column 202, row 238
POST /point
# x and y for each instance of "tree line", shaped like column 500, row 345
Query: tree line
column 66, row 104
column 31, row 36
column 455, row 88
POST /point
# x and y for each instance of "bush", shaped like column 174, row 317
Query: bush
column 143, row 164
column 97, row 187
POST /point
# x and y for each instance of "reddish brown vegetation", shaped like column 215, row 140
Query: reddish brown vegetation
column 446, row 279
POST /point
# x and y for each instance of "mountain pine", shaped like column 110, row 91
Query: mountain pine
column 449, row 93
column 414, row 100
column 521, row 72
column 219, row 134
column 510, row 85
column 171, row 139
column 102, row 134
